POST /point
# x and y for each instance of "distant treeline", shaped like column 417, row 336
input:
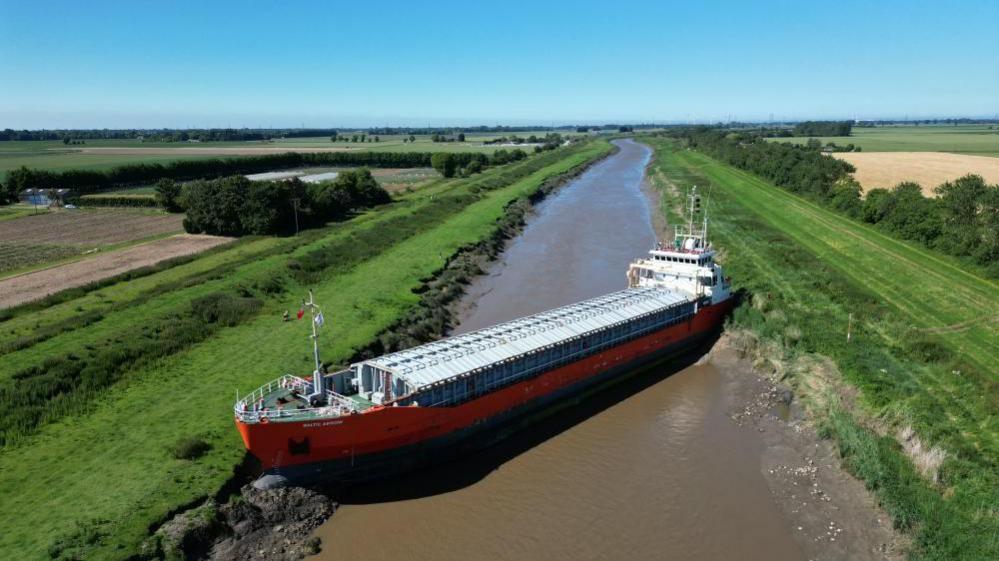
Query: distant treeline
column 962, row 221
column 951, row 121
column 806, row 128
column 823, row 128
column 244, row 134
column 236, row 206
column 549, row 141
column 164, row 135
column 92, row 181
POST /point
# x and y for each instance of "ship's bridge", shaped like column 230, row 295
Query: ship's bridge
column 498, row 354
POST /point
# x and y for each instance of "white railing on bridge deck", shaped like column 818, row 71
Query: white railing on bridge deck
column 248, row 409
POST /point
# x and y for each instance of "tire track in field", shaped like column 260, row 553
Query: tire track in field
column 886, row 289
column 949, row 291
column 922, row 309
column 954, row 405
column 946, row 400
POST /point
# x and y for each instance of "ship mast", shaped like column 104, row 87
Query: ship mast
column 317, row 377
column 692, row 198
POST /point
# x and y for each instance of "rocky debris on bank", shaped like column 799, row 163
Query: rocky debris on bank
column 273, row 524
column 832, row 516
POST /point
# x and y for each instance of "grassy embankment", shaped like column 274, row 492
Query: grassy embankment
column 100, row 155
column 98, row 477
column 978, row 140
column 924, row 349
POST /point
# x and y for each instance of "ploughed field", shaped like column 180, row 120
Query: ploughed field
column 923, row 350
column 928, row 169
column 31, row 240
column 98, row 385
column 89, row 227
column 35, row 285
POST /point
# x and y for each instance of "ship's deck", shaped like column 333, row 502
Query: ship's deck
column 283, row 400
column 433, row 362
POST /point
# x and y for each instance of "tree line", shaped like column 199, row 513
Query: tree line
column 165, row 135
column 823, row 128
column 464, row 164
column 552, row 140
column 236, row 206
column 92, row 181
column 962, row 220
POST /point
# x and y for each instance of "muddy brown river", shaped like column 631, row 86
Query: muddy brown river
column 651, row 469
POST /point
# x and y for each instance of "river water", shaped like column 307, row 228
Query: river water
column 651, row 469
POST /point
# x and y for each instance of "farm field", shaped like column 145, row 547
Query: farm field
column 928, row 169
column 31, row 240
column 962, row 139
column 38, row 284
column 19, row 210
column 90, row 227
column 923, row 353
column 105, row 154
column 100, row 501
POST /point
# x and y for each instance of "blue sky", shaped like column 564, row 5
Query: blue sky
column 179, row 64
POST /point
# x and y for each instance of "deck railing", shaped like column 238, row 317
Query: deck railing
column 248, row 410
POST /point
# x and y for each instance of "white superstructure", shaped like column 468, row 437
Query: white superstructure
column 688, row 265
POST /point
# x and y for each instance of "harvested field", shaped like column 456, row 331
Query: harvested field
column 929, row 169
column 38, row 284
column 89, row 227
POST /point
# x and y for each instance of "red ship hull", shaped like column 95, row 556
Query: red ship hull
column 390, row 439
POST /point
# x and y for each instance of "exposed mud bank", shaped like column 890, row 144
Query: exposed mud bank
column 831, row 514
column 273, row 525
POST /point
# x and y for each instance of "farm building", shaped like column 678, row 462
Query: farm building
column 45, row 197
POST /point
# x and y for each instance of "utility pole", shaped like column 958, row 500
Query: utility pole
column 294, row 204
column 849, row 327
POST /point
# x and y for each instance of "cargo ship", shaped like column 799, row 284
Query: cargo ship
column 409, row 408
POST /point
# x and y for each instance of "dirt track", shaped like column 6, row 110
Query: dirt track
column 38, row 284
column 929, row 169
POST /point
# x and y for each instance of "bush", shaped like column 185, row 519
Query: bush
column 168, row 195
column 190, row 448
column 444, row 163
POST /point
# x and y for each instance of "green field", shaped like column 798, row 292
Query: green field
column 55, row 156
column 979, row 140
column 924, row 350
column 10, row 212
column 97, row 479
